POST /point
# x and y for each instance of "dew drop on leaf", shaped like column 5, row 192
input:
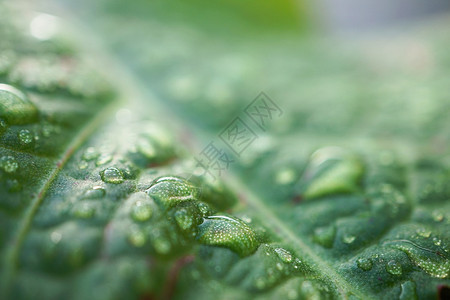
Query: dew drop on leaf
column 171, row 190
column 112, row 175
column 324, row 236
column 90, row 154
column 161, row 245
column 364, row 264
column 284, row 255
column 103, row 159
column 25, row 136
column 95, row 193
column 184, row 219
column 408, row 291
column 141, row 211
column 348, row 238
column 9, row 164
column 136, row 237
column 83, row 210
column 393, row 267
column 15, row 107
column 228, row 232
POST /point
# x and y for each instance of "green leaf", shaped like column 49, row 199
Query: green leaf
column 343, row 195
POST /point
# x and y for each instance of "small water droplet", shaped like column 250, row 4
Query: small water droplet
column 90, row 154
column 56, row 237
column 84, row 210
column 15, row 107
column 136, row 237
column 408, row 291
column 229, row 232
column 184, row 219
column 104, row 158
column 348, row 238
column 161, row 245
column 141, row 211
column 9, row 164
column 82, row 165
column 364, row 264
column 95, row 193
column 423, row 232
column 331, row 170
column 279, row 266
column 25, row 136
column 285, row 176
column 437, row 241
column 393, row 267
column 437, row 216
column 13, row 185
column 3, row 126
column 324, row 236
column 112, row 175
column 284, row 255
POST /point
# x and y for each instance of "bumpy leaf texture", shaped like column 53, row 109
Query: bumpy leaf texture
column 343, row 194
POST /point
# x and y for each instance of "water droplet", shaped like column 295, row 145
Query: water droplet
column 95, row 193
column 3, row 126
column 141, row 211
column 44, row 26
column 112, row 175
column 229, row 232
column 161, row 245
column 9, row 164
column 170, row 190
column 56, row 237
column 423, row 232
column 408, row 291
column 279, row 267
column 437, row 216
column 285, row 176
column 184, row 219
column 348, row 238
column 393, row 267
column 15, row 107
column 136, row 237
column 84, row 210
column 13, row 185
column 25, row 136
column 82, row 165
column 364, row 264
column 331, row 170
column 90, row 154
column 437, row 241
column 103, row 159
column 324, row 236
column 284, row 255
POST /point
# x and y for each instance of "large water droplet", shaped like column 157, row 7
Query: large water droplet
column 25, row 136
column 331, row 170
column 432, row 261
column 423, row 232
column 112, row 175
column 15, row 107
column 9, row 164
column 364, row 264
column 171, row 190
column 229, row 232
column 393, row 267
